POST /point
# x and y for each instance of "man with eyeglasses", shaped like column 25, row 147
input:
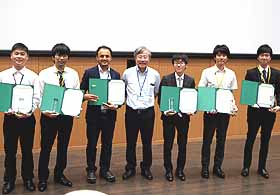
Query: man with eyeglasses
column 172, row 120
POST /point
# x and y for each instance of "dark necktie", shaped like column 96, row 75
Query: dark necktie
column 264, row 75
column 61, row 79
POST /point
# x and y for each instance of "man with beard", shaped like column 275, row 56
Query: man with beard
column 100, row 119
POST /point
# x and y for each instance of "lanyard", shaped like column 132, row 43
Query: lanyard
column 268, row 75
column 141, row 87
column 219, row 82
column 22, row 75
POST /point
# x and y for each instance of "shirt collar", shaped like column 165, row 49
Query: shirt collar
column 177, row 76
column 55, row 70
column 138, row 70
column 261, row 68
column 102, row 71
column 21, row 71
column 218, row 70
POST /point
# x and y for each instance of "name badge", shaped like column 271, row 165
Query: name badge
column 141, row 98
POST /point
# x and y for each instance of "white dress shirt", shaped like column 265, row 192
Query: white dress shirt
column 50, row 76
column 23, row 77
column 104, row 74
column 179, row 80
column 214, row 77
column 141, row 87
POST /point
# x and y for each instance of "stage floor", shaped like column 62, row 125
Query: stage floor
column 234, row 183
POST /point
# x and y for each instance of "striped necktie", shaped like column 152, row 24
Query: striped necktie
column 61, row 79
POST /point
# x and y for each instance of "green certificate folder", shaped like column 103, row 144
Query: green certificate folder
column 169, row 100
column 52, row 98
column 206, row 99
column 6, row 97
column 99, row 87
column 249, row 92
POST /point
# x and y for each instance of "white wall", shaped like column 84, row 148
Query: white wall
column 161, row 25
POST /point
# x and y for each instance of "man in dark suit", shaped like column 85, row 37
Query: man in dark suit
column 100, row 119
column 258, row 116
column 170, row 120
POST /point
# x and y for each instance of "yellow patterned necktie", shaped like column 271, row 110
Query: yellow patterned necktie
column 61, row 79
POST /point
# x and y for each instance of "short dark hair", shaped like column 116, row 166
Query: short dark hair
column 264, row 49
column 20, row 46
column 221, row 49
column 182, row 57
column 60, row 49
column 103, row 47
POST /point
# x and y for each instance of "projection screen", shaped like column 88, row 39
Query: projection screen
column 194, row 26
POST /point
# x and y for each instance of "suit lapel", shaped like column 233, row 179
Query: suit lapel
column 185, row 82
column 173, row 80
column 96, row 72
column 112, row 74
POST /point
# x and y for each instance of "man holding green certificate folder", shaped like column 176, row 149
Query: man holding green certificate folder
column 217, row 76
column 19, row 126
column 259, row 116
column 54, row 124
column 173, row 118
column 100, row 115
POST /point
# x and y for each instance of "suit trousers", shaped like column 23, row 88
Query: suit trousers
column 182, row 126
column 256, row 118
column 61, row 126
column 212, row 122
column 15, row 129
column 135, row 121
column 104, row 123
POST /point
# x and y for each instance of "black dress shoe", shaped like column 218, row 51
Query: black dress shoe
column 42, row 186
column 205, row 173
column 181, row 175
column 219, row 172
column 8, row 187
column 108, row 176
column 29, row 185
column 147, row 174
column 245, row 172
column 128, row 173
column 169, row 176
column 91, row 177
column 263, row 173
column 63, row 181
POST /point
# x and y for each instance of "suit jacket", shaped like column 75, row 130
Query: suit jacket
column 255, row 75
column 93, row 111
column 170, row 80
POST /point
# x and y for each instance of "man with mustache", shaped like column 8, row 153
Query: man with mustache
column 100, row 119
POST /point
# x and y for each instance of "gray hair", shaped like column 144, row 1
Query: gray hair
column 141, row 50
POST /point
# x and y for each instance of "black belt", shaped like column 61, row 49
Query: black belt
column 139, row 111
